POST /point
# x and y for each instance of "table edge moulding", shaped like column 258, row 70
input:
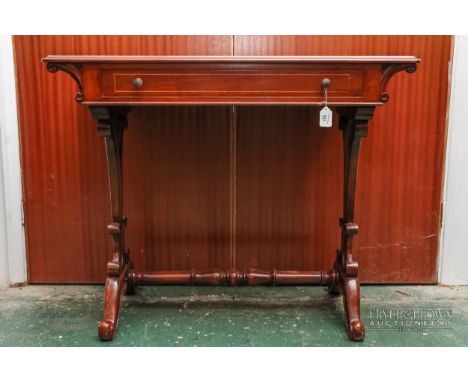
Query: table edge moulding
column 352, row 85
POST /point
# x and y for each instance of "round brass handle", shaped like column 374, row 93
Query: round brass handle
column 326, row 83
column 138, row 82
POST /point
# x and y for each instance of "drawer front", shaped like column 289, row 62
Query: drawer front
column 245, row 84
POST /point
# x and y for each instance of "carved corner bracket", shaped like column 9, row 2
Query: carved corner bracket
column 388, row 73
column 74, row 70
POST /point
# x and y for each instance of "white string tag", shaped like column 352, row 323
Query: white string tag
column 326, row 115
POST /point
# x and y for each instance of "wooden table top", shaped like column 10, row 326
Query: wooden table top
column 225, row 59
column 255, row 80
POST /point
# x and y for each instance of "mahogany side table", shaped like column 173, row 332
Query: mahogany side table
column 351, row 85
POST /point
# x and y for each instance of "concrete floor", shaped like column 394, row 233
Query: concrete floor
column 227, row 316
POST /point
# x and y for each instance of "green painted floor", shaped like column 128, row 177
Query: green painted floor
column 225, row 316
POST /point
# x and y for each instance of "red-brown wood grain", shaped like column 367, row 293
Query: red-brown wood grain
column 206, row 83
column 218, row 276
column 264, row 193
column 288, row 193
column 65, row 177
column 178, row 209
column 253, row 80
column 400, row 171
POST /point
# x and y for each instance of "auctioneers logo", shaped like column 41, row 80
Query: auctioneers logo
column 409, row 319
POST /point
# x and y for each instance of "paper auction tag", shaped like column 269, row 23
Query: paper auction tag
column 326, row 117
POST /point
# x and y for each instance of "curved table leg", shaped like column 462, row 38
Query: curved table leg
column 115, row 288
column 111, row 123
column 354, row 125
column 351, row 298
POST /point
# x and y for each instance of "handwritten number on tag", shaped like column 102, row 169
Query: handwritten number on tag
column 326, row 117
